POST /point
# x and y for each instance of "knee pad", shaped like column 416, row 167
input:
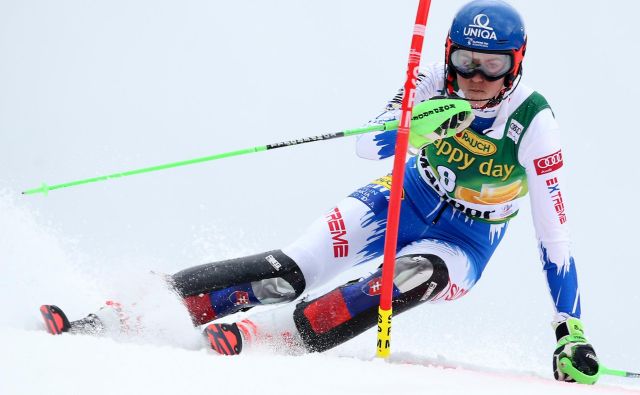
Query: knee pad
column 419, row 276
column 351, row 309
column 214, row 290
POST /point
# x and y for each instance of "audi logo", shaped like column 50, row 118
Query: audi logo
column 550, row 160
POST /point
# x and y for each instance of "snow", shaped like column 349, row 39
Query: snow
column 92, row 88
column 82, row 364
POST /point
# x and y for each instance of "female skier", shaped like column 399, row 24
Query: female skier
column 459, row 195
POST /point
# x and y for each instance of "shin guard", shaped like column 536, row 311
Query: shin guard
column 349, row 310
column 217, row 289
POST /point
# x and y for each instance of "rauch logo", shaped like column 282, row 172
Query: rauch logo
column 475, row 144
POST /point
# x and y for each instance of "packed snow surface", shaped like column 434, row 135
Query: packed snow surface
column 36, row 363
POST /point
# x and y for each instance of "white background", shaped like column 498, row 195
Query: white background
column 89, row 88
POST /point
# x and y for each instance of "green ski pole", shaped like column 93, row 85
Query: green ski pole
column 44, row 188
column 621, row 373
column 427, row 117
column 567, row 367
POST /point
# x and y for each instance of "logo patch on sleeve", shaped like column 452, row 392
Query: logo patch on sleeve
column 548, row 163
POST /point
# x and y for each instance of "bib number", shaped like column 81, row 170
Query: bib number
column 447, row 178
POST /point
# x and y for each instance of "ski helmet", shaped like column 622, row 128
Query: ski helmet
column 488, row 26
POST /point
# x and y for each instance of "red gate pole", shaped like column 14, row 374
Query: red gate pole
column 397, row 180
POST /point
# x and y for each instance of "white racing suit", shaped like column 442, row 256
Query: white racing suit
column 459, row 195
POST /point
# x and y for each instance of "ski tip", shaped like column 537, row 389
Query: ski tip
column 225, row 339
column 55, row 320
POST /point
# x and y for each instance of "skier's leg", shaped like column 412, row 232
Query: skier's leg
column 328, row 247
column 427, row 270
column 210, row 291
column 217, row 289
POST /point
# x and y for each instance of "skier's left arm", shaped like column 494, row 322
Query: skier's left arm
column 541, row 154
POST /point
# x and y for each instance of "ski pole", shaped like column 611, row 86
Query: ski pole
column 567, row 367
column 383, row 345
column 44, row 188
column 620, row 373
column 428, row 116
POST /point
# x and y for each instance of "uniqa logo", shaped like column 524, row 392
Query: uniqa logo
column 480, row 28
column 481, row 20
column 475, row 144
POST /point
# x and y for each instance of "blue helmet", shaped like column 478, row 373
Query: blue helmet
column 487, row 26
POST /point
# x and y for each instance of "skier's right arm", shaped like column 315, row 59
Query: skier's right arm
column 381, row 145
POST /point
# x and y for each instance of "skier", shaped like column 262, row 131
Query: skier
column 459, row 195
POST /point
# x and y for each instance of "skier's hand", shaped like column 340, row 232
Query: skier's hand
column 435, row 119
column 455, row 124
column 574, row 349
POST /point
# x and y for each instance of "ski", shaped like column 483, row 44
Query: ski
column 57, row 323
column 55, row 320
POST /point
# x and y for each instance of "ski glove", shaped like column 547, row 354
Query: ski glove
column 458, row 122
column 420, row 134
column 574, row 349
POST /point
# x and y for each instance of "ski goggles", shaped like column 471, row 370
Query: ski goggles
column 492, row 66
